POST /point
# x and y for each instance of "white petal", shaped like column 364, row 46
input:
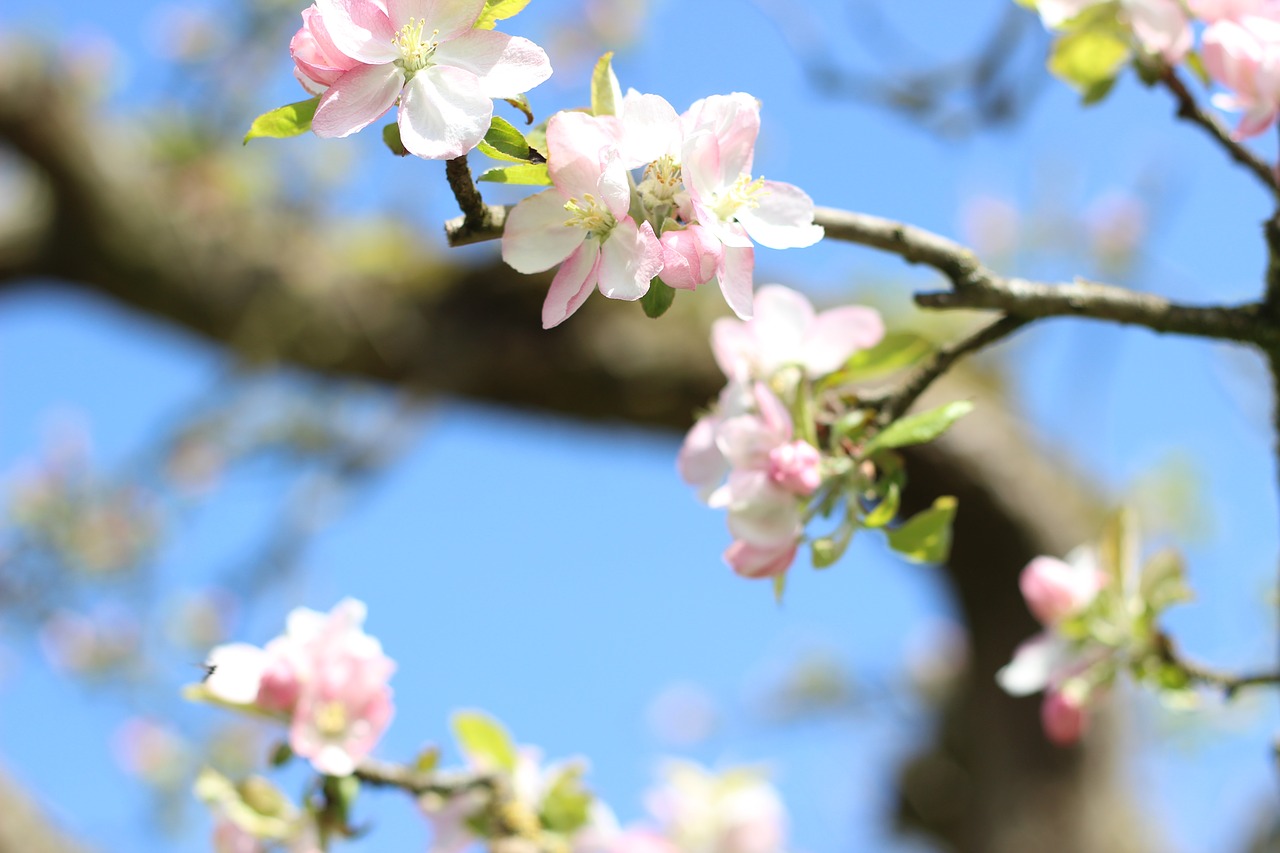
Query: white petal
column 760, row 513
column 506, row 65
column 838, row 334
column 629, row 260
column 359, row 29
column 784, row 219
column 443, row 113
column 735, row 279
column 1033, row 665
column 535, row 237
column 572, row 284
column 234, row 672
column 579, row 149
column 650, row 129
column 452, row 17
column 358, row 99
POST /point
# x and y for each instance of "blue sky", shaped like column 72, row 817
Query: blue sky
column 561, row 576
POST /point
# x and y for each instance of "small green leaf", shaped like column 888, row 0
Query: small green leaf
column 1196, row 63
column 391, row 136
column 499, row 10
column 525, row 174
column 1163, row 582
column 281, row 755
column 567, row 804
column 919, row 429
column 504, row 142
column 283, row 122
column 484, row 741
column 1092, row 54
column 606, row 93
column 897, row 350
column 926, row 536
column 779, row 586
column 521, row 103
column 828, row 550
column 658, row 299
column 887, row 510
column 428, row 760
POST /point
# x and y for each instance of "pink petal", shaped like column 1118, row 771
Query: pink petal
column 1064, row 718
column 734, row 347
column 360, row 29
column 358, row 99
column 735, row 277
column 451, row 17
column 629, row 260
column 690, row 257
column 837, row 334
column 506, row 65
column 535, row 237
column 700, row 461
column 782, row 323
column 443, row 113
column 572, row 284
column 581, row 150
column 784, row 219
column 754, row 561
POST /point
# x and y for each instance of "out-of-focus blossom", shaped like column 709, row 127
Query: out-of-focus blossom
column 683, row 714
column 253, row 816
column 151, row 751
column 424, row 54
column 107, row 638
column 1159, row 26
column 1064, row 716
column 1243, row 55
column 1056, row 589
column 736, row 811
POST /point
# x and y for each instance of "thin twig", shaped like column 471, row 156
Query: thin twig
column 1190, row 110
column 475, row 213
column 899, row 402
column 1229, row 683
column 388, row 775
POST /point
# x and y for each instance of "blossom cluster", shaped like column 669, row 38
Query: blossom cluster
column 362, row 57
column 325, row 676
column 691, row 212
column 747, row 455
column 1239, row 44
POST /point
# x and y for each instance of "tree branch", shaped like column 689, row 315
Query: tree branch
column 475, row 213
column 384, row 774
column 1229, row 683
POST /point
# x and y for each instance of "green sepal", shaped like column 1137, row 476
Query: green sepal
column 658, row 298
column 505, row 142
column 779, row 587
column 524, row 174
column 283, row 122
column 606, row 92
column 918, row 429
column 391, row 136
column 484, row 740
column 926, row 536
column 499, row 10
column 1195, row 62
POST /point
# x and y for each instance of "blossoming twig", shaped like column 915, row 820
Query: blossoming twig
column 389, row 775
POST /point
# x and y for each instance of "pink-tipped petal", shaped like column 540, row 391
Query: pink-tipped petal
column 443, row 113
column 784, row 219
column 838, row 334
column 581, row 148
column 572, row 284
column 734, row 346
column 535, row 237
column 629, row 260
column 506, row 66
column 754, row 561
column 735, row 277
column 690, row 257
column 360, row 29
column 452, row 18
column 358, row 99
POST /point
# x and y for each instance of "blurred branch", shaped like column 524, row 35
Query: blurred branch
column 1229, row 683
column 24, row 828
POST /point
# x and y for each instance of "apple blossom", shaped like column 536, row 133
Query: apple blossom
column 318, row 63
column 1064, row 716
column 737, row 811
column 1159, row 26
column 1243, row 55
column 424, row 54
column 1055, row 590
column 583, row 220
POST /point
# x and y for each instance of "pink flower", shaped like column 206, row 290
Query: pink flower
column 756, row 561
column 230, row 837
column 1159, row 26
column 1055, row 590
column 1063, row 716
column 1217, row 10
column 737, row 811
column 317, row 60
column 787, row 331
column 1244, row 57
column 733, row 209
column 583, row 220
column 426, row 55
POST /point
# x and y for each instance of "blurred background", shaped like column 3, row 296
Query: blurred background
column 235, row 380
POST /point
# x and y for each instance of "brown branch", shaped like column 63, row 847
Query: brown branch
column 1189, row 110
column 475, row 213
column 384, row 774
column 1229, row 683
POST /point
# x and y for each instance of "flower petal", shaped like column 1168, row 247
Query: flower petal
column 690, row 257
column 357, row 100
column 451, row 17
column 581, row 150
column 506, row 65
column 1033, row 665
column 784, row 219
column 572, row 284
column 629, row 260
column 535, row 237
column 837, row 334
column 360, row 29
column 443, row 113
column 735, row 276
column 650, row 129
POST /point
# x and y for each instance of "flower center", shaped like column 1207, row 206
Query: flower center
column 590, row 215
column 744, row 193
column 415, row 50
column 662, row 180
column 331, row 719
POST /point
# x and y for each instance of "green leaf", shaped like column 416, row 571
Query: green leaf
column 1163, row 582
column 567, row 804
column 525, row 174
column 887, row 510
column 658, row 299
column 504, row 142
column 919, row 429
column 828, row 550
column 521, row 103
column 499, row 10
column 606, row 93
column 1092, row 54
column 779, row 587
column 283, row 122
column 926, row 537
column 1196, row 63
column 897, row 350
column 281, row 755
column 484, row 741
column 391, row 136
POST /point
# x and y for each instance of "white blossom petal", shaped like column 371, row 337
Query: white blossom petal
column 443, row 113
column 629, row 260
column 572, row 284
column 535, row 237
column 358, row 99
column 784, row 218
column 506, row 66
column 360, row 29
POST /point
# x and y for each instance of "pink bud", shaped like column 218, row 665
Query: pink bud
column 1055, row 590
column 1063, row 716
column 795, row 466
column 689, row 257
column 757, row 561
column 278, row 688
column 319, row 61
